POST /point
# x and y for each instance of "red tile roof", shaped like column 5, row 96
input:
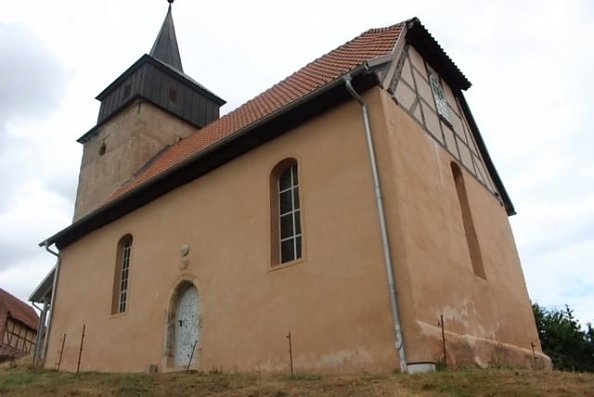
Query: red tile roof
column 335, row 64
column 19, row 310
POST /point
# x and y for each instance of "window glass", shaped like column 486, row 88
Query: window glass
column 289, row 215
column 440, row 99
column 122, row 275
column 125, row 272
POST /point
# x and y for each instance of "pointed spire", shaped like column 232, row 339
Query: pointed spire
column 165, row 48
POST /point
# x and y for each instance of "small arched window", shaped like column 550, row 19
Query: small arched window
column 122, row 275
column 287, row 236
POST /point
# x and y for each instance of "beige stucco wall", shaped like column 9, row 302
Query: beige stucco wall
column 487, row 322
column 334, row 301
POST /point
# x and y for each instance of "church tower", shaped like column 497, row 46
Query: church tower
column 150, row 106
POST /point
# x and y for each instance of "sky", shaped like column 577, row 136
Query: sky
column 530, row 63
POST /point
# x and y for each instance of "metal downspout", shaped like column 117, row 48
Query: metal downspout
column 40, row 331
column 52, row 299
column 398, row 342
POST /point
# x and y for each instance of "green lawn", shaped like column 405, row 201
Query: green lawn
column 26, row 381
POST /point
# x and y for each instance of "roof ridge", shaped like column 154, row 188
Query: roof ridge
column 307, row 79
column 385, row 28
column 341, row 46
column 368, row 31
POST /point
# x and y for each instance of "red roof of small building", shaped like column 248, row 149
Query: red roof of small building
column 19, row 310
column 369, row 45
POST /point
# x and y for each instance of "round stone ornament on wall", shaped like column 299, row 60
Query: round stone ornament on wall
column 185, row 257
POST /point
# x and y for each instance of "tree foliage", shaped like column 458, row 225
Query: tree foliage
column 570, row 347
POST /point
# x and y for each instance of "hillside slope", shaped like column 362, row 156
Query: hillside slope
column 29, row 382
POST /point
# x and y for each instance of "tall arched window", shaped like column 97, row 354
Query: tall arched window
column 471, row 238
column 122, row 275
column 286, row 213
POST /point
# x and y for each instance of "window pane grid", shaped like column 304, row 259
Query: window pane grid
column 440, row 99
column 123, row 295
column 289, row 216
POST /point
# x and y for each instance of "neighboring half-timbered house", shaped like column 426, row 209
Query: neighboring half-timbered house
column 18, row 327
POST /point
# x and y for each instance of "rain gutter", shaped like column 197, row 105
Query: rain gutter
column 398, row 340
column 52, row 302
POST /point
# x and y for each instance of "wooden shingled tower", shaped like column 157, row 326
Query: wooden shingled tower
column 150, row 106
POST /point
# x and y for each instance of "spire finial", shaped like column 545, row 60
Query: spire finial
column 165, row 48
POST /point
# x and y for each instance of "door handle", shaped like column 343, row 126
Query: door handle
column 180, row 322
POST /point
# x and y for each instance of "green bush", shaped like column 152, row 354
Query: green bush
column 563, row 339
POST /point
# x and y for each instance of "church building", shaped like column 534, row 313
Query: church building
column 350, row 215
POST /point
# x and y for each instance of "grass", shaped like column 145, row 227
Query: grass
column 26, row 381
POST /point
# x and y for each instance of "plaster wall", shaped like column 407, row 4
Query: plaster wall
column 129, row 140
column 334, row 300
column 487, row 321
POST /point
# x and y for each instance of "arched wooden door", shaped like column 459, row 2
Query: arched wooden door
column 187, row 324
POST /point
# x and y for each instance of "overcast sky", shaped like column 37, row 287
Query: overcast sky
column 530, row 63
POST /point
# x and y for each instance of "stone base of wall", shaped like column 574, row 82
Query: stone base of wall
column 467, row 351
